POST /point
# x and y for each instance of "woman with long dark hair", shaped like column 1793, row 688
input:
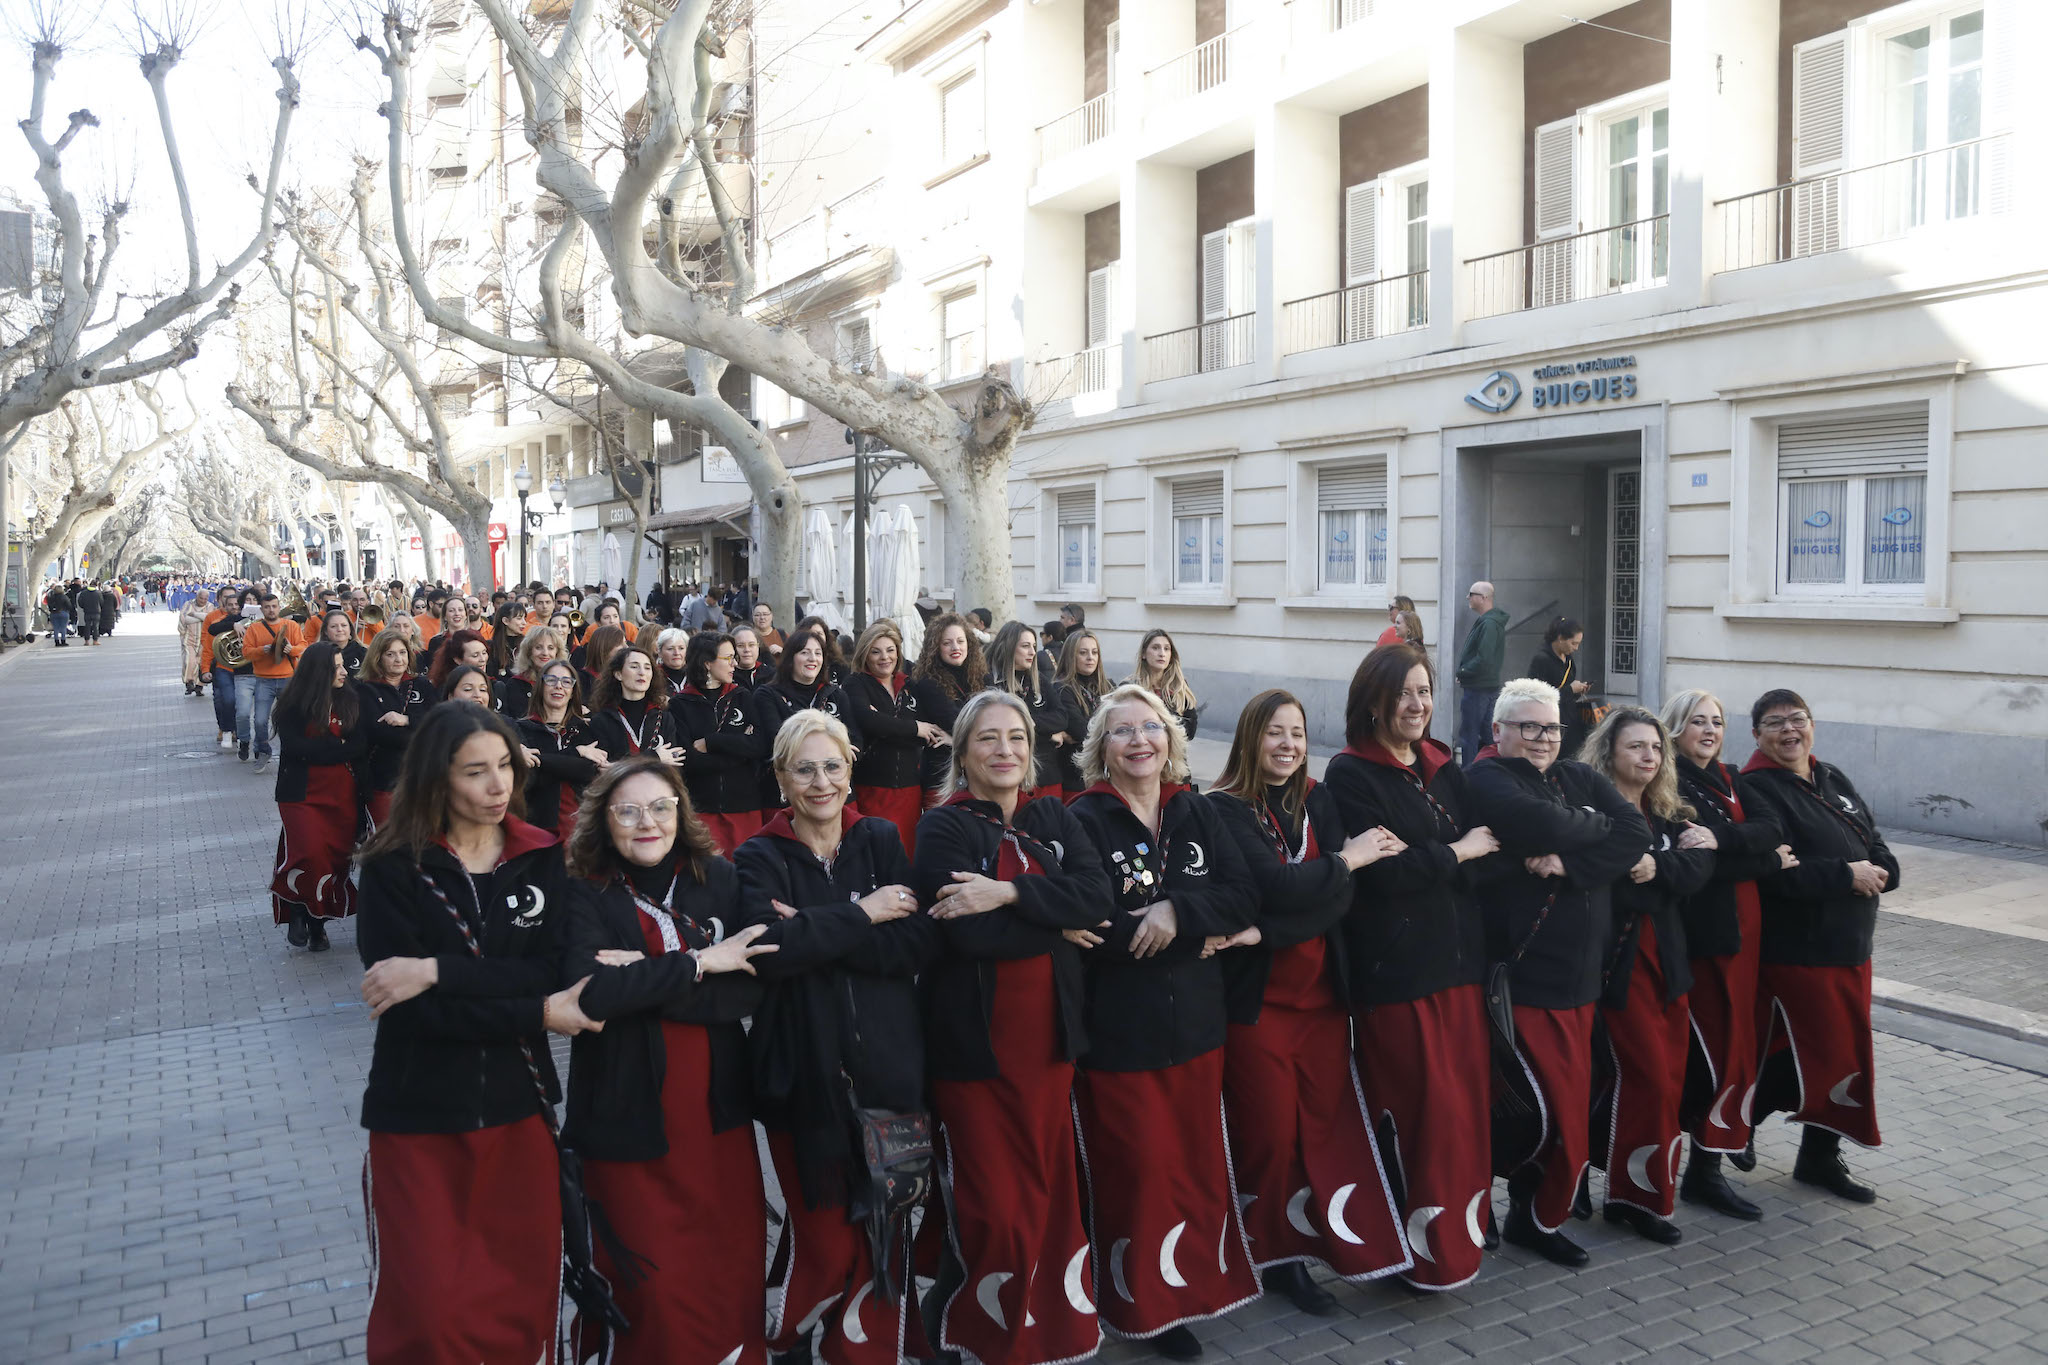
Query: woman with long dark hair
column 1723, row 932
column 629, row 710
column 594, row 655
column 337, row 630
column 1557, row 663
column 392, row 701
column 725, row 750
column 1018, row 889
column 319, row 733
column 888, row 774
column 1158, row 671
column 506, row 632
column 1643, row 1009
column 1150, row 1095
column 561, row 758
column 1414, row 953
column 950, row 669
column 460, row 931
column 836, row 667
column 1014, row 656
column 462, row 649
column 749, row 668
column 802, row 683
column 838, row 1034
column 469, row 683
column 659, row 1105
column 1309, row 1174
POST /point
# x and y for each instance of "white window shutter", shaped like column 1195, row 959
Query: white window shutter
column 1113, row 49
column 1351, row 488
column 1873, row 443
column 1819, row 141
column 1244, row 266
column 1556, row 204
column 1361, row 233
column 2001, row 47
column 1201, row 497
column 1215, row 275
column 1099, row 284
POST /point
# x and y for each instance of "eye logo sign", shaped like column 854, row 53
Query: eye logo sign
column 1898, row 516
column 1496, row 393
column 1820, row 519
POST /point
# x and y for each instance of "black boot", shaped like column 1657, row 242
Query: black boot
column 799, row 1354
column 1521, row 1230
column 1293, row 1281
column 1176, row 1343
column 1704, row 1184
column 317, row 936
column 1820, row 1163
column 298, row 929
column 1745, row 1160
column 1645, row 1224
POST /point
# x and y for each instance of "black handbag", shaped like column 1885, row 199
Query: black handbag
column 895, row 1152
column 1517, row 1110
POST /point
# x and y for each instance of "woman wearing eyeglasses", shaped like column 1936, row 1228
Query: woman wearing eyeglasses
column 658, row 1100
column 724, row 749
column 1723, row 929
column 1819, row 917
column 1016, row 886
column 750, row 669
column 561, row 758
column 838, row 1033
column 538, row 648
column 1166, row 1223
column 1567, row 835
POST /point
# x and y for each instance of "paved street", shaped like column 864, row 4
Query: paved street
column 180, row 1159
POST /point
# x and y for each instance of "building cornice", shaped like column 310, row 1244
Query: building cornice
column 1843, row 383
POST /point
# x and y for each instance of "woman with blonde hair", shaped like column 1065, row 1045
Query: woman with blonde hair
column 1158, row 671
column 1150, row 1094
column 1016, row 888
column 538, row 648
column 1723, row 933
column 1082, row 675
column 1643, row 990
column 888, row 775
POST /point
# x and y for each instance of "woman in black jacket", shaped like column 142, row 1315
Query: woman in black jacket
column 1413, row 960
column 1014, row 669
column 1309, row 1172
column 659, row 1107
column 459, row 927
column 749, row 669
column 950, row 670
column 337, row 630
column 1819, row 917
column 392, row 701
column 1151, row 1088
column 320, row 731
column 1016, row 886
column 629, row 708
column 725, row 752
column 1643, row 1011
column 561, row 758
column 887, row 776
column 538, row 648
column 1557, row 663
column 838, row 1033
column 1723, row 933
column 1086, row 681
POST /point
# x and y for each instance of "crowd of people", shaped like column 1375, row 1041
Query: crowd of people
column 1046, row 1041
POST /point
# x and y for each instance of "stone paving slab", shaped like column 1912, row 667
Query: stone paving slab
column 180, row 1160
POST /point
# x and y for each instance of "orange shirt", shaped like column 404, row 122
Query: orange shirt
column 430, row 626
column 632, row 632
column 256, row 642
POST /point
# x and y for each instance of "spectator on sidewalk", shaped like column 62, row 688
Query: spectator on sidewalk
column 1479, row 664
column 59, row 605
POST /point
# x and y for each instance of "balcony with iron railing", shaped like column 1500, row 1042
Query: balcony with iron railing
column 1218, row 344
column 1361, row 312
column 1198, row 70
column 1080, row 127
column 1868, row 205
column 828, row 233
column 1583, row 265
column 1308, row 20
column 1097, row 370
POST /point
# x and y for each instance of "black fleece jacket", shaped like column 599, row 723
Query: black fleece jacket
column 1159, row 1011
column 616, row 1076
column 635, row 729
column 1680, row 873
column 1747, row 849
column 726, row 778
column 299, row 752
column 1574, row 812
column 1066, row 889
column 1812, row 914
column 384, row 755
column 940, row 694
column 449, row 1060
column 1299, row 897
column 892, row 755
column 560, row 766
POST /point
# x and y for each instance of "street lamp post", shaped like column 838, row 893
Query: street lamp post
column 522, row 481
column 557, row 491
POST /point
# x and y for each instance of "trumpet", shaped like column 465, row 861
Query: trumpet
column 576, row 620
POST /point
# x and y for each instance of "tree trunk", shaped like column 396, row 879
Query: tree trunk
column 978, row 519
column 781, row 547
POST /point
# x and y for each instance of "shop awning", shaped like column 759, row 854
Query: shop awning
column 730, row 514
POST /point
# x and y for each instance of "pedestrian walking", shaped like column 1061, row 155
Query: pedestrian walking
column 1478, row 671
column 192, row 643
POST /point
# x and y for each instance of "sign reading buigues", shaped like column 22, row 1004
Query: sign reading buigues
column 1561, row 384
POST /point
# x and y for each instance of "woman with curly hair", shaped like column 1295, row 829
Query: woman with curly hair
column 949, row 671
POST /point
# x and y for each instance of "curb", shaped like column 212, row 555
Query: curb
column 2007, row 1022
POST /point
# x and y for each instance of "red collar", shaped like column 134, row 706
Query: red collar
column 520, row 837
column 1759, row 762
column 782, row 825
column 1433, row 753
column 1167, row 791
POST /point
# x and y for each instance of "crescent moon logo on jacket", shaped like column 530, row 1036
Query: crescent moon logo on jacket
column 1664, row 844
column 1198, row 860
column 1059, row 850
column 1847, row 804
column 527, row 905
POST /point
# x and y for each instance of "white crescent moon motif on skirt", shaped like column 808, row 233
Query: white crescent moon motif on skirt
column 850, row 1324
column 1077, row 1294
column 816, row 1315
column 1168, row 1271
column 1337, row 1224
column 1715, row 1118
column 291, row 880
column 1748, row 1103
column 1639, row 1166
column 1297, row 1213
column 1223, row 1250
column 320, row 887
column 734, row 1358
column 1244, row 1201
column 1671, row 1159
column 1840, row 1094
column 1472, row 1226
column 1116, row 1269
column 985, row 1295
column 1418, row 1230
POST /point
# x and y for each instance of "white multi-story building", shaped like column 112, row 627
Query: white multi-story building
column 1709, row 323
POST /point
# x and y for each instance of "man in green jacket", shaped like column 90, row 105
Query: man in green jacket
column 1479, row 664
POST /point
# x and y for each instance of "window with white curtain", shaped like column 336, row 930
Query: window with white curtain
column 1074, row 528
column 1351, row 521
column 960, row 322
column 1198, row 534
column 1852, row 500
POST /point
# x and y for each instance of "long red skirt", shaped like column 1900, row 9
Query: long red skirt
column 697, row 1215
column 826, row 1273
column 376, row 810
column 900, row 806
column 1556, row 1048
column 1647, row 1038
column 313, row 847
column 1820, row 1017
column 1162, row 1196
column 731, row 829
column 1424, row 1066
column 1311, row 1185
column 465, row 1246
column 1008, row 1146
column 1724, row 1024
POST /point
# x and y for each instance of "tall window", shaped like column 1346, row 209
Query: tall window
column 1637, row 191
column 1075, row 527
column 960, row 335
column 1229, row 290
column 1852, row 503
column 856, row 338
column 1933, row 96
column 1351, row 516
column 1386, row 237
column 1198, row 533
column 961, row 135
